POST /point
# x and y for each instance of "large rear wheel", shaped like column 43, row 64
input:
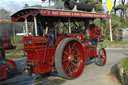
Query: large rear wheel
column 69, row 58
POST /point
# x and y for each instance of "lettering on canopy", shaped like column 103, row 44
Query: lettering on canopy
column 71, row 14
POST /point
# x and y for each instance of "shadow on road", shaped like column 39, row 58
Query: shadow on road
column 89, row 61
column 114, row 68
column 46, row 79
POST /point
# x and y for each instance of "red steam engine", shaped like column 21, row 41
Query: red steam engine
column 65, row 53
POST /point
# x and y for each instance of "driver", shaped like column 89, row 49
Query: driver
column 50, row 32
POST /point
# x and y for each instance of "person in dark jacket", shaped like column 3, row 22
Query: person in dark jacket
column 50, row 32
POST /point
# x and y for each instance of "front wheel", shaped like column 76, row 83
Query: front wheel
column 102, row 57
column 69, row 58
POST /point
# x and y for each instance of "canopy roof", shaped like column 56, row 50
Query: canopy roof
column 28, row 13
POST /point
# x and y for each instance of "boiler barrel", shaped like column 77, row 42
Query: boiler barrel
column 80, row 6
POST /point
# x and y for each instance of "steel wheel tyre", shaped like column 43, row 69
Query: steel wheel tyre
column 11, row 66
column 69, row 58
column 102, row 57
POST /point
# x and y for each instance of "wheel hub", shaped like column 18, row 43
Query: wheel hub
column 71, row 58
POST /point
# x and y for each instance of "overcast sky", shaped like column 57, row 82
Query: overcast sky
column 14, row 5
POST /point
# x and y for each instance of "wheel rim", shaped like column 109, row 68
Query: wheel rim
column 72, row 59
column 102, row 57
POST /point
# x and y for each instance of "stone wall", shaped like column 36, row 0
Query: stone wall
column 124, row 34
column 122, row 74
column 113, row 45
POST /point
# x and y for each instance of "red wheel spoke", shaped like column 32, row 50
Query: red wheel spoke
column 66, row 67
column 73, row 45
column 69, row 48
column 71, row 67
column 101, row 56
column 65, row 59
column 76, row 55
column 69, row 71
column 66, row 53
column 75, row 65
column 76, row 49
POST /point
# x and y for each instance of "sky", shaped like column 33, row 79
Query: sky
column 14, row 5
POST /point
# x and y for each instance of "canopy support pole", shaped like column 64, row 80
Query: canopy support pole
column 26, row 26
column 69, row 26
column 35, row 22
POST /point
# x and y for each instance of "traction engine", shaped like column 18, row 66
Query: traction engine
column 65, row 53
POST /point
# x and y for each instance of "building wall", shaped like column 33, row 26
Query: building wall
column 124, row 34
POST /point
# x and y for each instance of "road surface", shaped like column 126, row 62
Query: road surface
column 92, row 74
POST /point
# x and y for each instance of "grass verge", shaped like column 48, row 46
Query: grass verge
column 13, row 55
column 124, row 64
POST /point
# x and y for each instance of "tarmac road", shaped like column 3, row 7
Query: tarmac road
column 92, row 74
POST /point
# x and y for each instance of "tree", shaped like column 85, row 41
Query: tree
column 126, row 9
column 123, row 7
column 4, row 14
column 114, row 6
column 97, row 3
column 116, row 26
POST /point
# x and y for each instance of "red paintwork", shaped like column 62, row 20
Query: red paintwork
column 39, row 55
column 60, row 38
column 91, row 52
column 3, row 72
column 93, row 32
column 78, row 36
